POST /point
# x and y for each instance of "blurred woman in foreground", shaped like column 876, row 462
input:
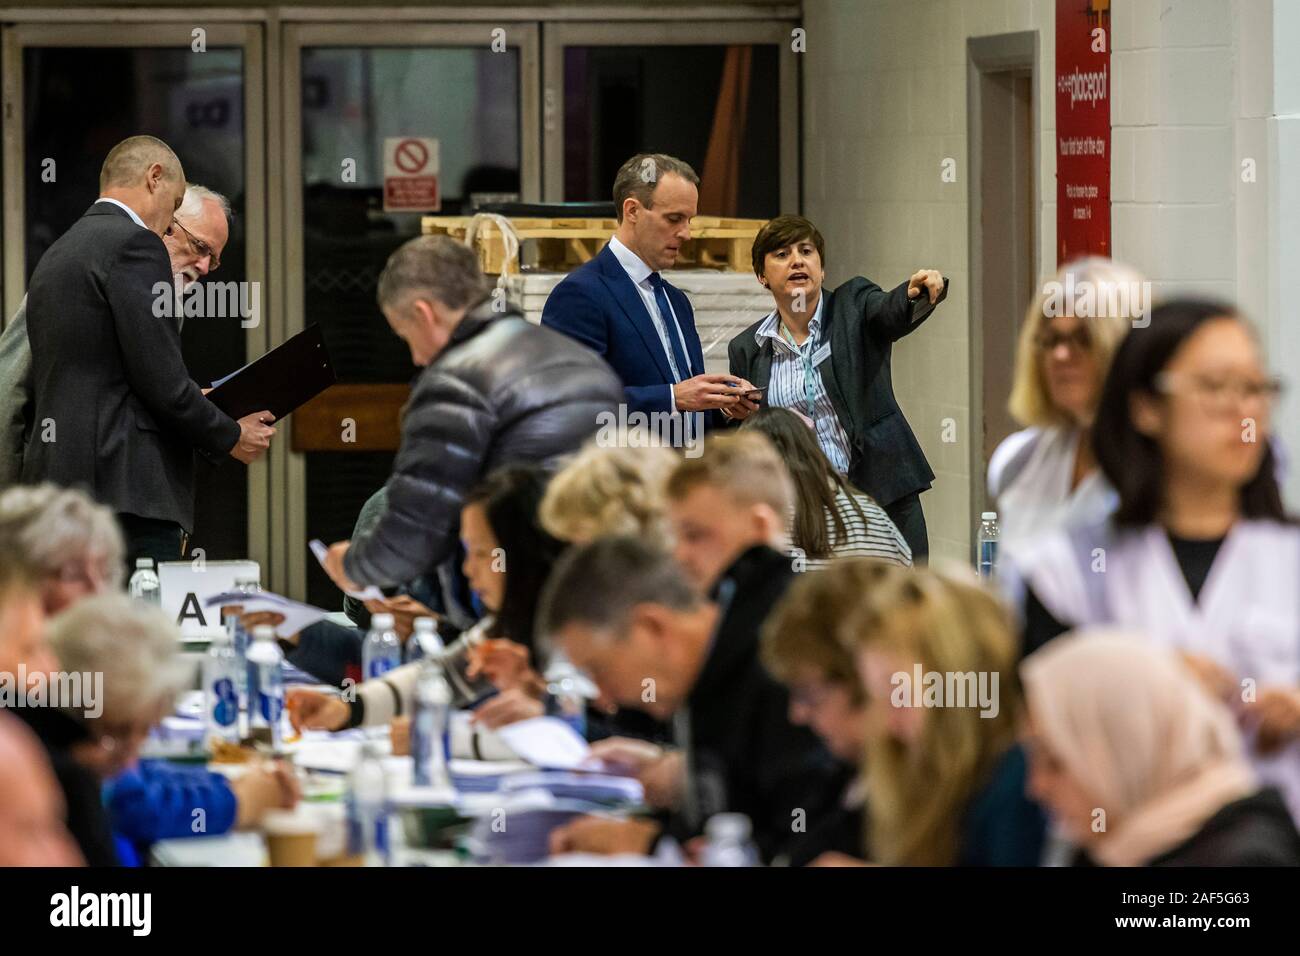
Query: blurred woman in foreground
column 945, row 777
column 507, row 559
column 1046, row 476
column 1200, row 555
column 1139, row 766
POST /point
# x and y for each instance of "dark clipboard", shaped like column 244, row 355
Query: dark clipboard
column 286, row 377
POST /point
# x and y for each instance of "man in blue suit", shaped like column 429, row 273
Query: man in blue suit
column 618, row 304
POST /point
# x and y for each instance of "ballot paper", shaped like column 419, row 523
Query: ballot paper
column 547, row 742
column 370, row 593
column 296, row 615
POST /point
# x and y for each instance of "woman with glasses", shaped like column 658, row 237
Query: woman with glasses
column 1045, row 477
column 1199, row 555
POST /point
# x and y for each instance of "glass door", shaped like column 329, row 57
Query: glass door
column 722, row 96
column 354, row 113
column 73, row 90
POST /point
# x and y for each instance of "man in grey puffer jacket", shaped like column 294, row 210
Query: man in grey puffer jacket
column 495, row 390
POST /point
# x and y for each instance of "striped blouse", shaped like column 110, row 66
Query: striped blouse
column 796, row 383
column 876, row 537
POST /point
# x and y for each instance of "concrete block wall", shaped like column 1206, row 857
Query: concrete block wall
column 1197, row 87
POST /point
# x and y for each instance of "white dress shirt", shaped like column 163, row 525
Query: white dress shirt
column 1038, row 498
column 129, row 211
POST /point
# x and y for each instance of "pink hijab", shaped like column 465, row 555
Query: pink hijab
column 1133, row 726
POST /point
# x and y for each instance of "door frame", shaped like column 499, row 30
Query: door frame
column 1003, row 53
column 684, row 32
column 289, row 476
column 173, row 32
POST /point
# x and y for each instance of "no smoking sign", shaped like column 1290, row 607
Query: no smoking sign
column 411, row 174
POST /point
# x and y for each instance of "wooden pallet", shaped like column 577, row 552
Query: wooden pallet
column 561, row 245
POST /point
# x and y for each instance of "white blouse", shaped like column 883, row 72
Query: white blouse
column 1247, row 616
column 1029, row 478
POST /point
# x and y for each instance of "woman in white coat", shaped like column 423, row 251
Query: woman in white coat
column 1199, row 554
column 1045, row 477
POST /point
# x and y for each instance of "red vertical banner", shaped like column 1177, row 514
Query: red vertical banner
column 1082, row 129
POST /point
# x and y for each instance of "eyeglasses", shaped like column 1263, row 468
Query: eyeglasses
column 1080, row 340
column 201, row 247
column 1221, row 394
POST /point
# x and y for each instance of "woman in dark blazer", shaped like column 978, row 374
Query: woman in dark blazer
column 826, row 355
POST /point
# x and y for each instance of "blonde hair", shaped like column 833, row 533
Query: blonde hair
column 134, row 645
column 944, row 620
column 801, row 631
column 1113, row 284
column 46, row 527
column 746, row 466
column 617, row 490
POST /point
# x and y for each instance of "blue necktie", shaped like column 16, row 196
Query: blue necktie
column 666, row 314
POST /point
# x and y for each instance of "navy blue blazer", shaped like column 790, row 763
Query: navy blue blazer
column 598, row 305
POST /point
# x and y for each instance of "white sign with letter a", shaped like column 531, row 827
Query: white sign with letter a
column 185, row 587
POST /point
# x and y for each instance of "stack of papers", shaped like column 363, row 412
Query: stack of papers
column 597, row 789
column 549, row 743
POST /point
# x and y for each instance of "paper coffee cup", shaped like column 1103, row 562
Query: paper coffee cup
column 290, row 838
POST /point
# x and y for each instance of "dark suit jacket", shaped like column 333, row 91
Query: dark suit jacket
column 861, row 321
column 107, row 371
column 598, row 305
column 744, row 755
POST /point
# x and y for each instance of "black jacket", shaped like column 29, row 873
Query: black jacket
column 861, row 322
column 743, row 753
column 108, row 377
column 1254, row 831
column 503, row 391
column 82, row 790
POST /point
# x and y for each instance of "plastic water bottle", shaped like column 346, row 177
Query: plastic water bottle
column 221, row 690
column 239, row 636
column 728, row 841
column 265, row 683
column 367, row 807
column 424, row 640
column 988, row 544
column 144, row 582
column 570, row 701
column 430, row 727
column 382, row 651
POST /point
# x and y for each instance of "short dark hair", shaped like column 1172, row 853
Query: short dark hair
column 781, row 232
column 1130, row 460
column 598, row 585
column 639, row 176
column 510, row 498
column 438, row 265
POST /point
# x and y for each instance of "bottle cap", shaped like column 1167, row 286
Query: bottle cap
column 382, row 622
column 264, row 632
column 247, row 582
column 144, row 563
column 988, row 516
column 425, row 624
column 735, row 826
column 220, row 639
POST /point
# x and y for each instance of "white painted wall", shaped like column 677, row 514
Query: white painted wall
column 1197, row 86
